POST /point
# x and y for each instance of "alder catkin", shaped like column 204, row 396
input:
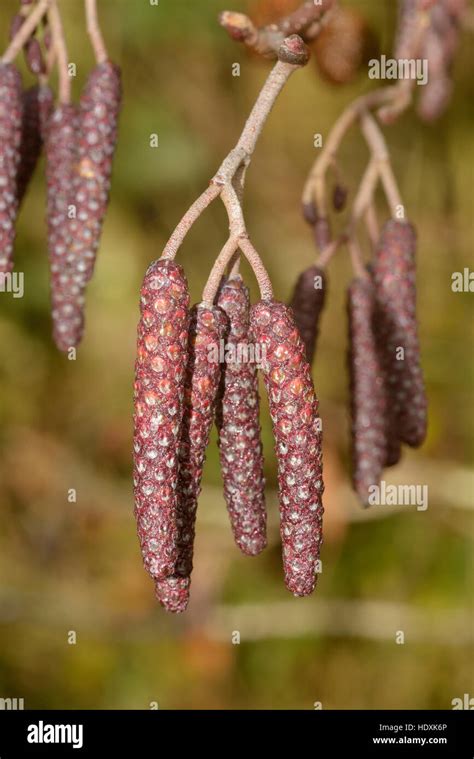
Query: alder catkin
column 296, row 429
column 159, row 392
column 369, row 406
column 11, row 115
column 394, row 274
column 201, row 384
column 67, row 296
column 37, row 109
column 98, row 126
column 237, row 419
column 307, row 303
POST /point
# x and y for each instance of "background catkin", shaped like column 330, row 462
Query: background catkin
column 296, row 429
column 66, row 293
column 307, row 303
column 201, row 384
column 159, row 390
column 394, row 274
column 11, row 116
column 368, row 394
column 238, row 424
column 37, row 109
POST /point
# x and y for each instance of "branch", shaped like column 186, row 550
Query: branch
column 229, row 179
column 266, row 40
column 25, row 31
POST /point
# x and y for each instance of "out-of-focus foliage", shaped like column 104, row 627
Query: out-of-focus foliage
column 67, row 424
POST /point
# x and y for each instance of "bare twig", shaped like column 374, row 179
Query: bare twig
column 95, row 34
column 229, row 179
column 25, row 31
column 59, row 45
column 376, row 141
column 266, row 40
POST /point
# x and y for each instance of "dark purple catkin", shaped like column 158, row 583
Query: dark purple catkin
column 99, row 111
column 11, row 114
column 158, row 401
column 307, row 303
column 67, row 298
column 237, row 419
column 394, row 273
column 37, row 108
column 367, row 391
column 296, row 429
column 201, row 384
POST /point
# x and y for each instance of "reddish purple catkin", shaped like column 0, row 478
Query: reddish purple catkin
column 99, row 111
column 37, row 108
column 201, row 385
column 11, row 114
column 159, row 394
column 368, row 395
column 296, row 428
column 394, row 274
column 67, row 298
column 237, row 419
column 307, row 303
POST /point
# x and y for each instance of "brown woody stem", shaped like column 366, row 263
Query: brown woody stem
column 59, row 46
column 94, row 31
column 25, row 31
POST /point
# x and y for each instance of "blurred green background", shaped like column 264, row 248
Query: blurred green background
column 68, row 424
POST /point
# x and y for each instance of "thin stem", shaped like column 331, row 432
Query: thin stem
column 59, row 45
column 372, row 224
column 218, row 270
column 366, row 191
column 376, row 142
column 94, row 31
column 25, row 31
column 191, row 215
column 356, row 258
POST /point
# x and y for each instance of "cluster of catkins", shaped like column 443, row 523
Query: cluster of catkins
column 388, row 401
column 79, row 143
column 440, row 43
column 181, row 388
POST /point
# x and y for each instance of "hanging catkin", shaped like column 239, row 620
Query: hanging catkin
column 394, row 276
column 66, row 292
column 37, row 109
column 307, row 303
column 237, row 418
column 368, row 395
column 159, row 391
column 296, row 428
column 201, row 384
column 11, row 115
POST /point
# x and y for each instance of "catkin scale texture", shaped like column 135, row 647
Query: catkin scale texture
column 11, row 117
column 307, row 303
column 394, row 274
column 367, row 391
column 294, row 412
column 98, row 127
column 158, row 409
column 208, row 326
column 67, row 297
column 237, row 419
